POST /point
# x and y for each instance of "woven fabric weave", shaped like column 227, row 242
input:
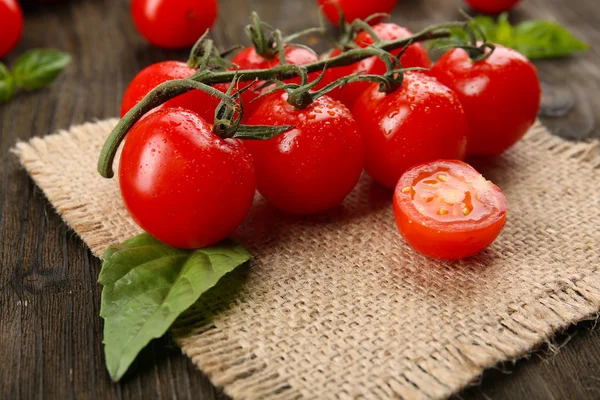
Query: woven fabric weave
column 338, row 306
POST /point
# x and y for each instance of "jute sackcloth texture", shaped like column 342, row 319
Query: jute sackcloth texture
column 338, row 306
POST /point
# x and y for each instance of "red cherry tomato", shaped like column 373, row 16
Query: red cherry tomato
column 173, row 24
column 181, row 183
column 250, row 59
column 445, row 209
column 313, row 167
column 147, row 79
column 11, row 25
column 354, row 9
column 421, row 121
column 414, row 56
column 492, row 6
column 501, row 96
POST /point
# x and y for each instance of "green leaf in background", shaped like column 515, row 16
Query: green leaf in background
column 534, row 38
column 545, row 39
column 148, row 284
column 6, row 84
column 39, row 67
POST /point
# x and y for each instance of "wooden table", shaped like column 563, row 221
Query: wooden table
column 50, row 331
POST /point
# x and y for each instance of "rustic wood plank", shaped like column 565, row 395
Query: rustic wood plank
column 51, row 341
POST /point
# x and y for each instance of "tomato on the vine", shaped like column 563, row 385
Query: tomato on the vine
column 354, row 9
column 414, row 56
column 501, row 96
column 250, row 59
column 445, row 209
column 420, row 121
column 11, row 25
column 312, row 167
column 147, row 79
column 183, row 184
column 492, row 6
column 173, row 24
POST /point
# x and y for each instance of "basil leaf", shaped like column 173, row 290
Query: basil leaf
column 6, row 84
column 534, row 39
column 148, row 284
column 39, row 67
column 545, row 39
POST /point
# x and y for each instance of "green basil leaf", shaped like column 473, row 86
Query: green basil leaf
column 148, row 284
column 6, row 84
column 545, row 39
column 39, row 67
column 535, row 38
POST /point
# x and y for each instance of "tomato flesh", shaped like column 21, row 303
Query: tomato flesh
column 181, row 183
column 445, row 209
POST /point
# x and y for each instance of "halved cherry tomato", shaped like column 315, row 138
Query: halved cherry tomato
column 183, row 184
column 493, row 6
column 313, row 167
column 354, row 9
column 147, row 79
column 445, row 209
column 414, row 56
column 501, row 96
column 173, row 24
column 421, row 121
column 11, row 25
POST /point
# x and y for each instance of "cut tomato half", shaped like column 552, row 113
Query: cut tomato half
column 445, row 209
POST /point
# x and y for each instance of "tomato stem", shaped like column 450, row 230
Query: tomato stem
column 205, row 78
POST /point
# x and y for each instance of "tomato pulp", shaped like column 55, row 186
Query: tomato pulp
column 445, row 209
column 181, row 183
column 501, row 96
column 421, row 121
column 312, row 167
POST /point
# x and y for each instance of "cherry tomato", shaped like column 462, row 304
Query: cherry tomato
column 354, row 9
column 421, row 121
column 445, row 209
column 492, row 6
column 414, row 56
column 198, row 101
column 250, row 59
column 173, row 24
column 501, row 96
column 11, row 25
column 313, row 167
column 181, row 183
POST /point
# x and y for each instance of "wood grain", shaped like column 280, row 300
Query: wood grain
column 50, row 331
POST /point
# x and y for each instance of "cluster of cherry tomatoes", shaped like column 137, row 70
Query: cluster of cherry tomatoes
column 178, row 24
column 191, row 188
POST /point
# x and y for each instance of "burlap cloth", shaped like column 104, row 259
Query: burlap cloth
column 338, row 306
